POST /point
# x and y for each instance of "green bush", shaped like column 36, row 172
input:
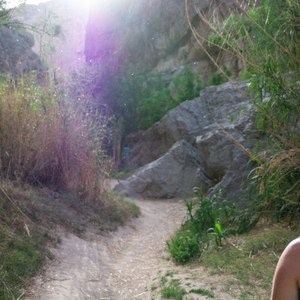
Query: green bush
column 184, row 245
column 208, row 223
column 148, row 97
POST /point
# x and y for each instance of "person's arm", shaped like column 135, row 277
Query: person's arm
column 286, row 277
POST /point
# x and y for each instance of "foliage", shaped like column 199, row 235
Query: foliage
column 148, row 97
column 45, row 29
column 172, row 285
column 184, row 245
column 207, row 225
column 186, row 86
column 138, row 98
column 266, row 39
column 220, row 78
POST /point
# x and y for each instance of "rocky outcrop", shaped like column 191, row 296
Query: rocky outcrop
column 16, row 55
column 218, row 126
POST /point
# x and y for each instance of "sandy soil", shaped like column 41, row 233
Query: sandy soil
column 126, row 264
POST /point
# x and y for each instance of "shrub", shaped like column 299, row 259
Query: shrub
column 184, row 246
column 208, row 223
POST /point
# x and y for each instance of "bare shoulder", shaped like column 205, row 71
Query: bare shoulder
column 291, row 255
column 286, row 281
column 294, row 247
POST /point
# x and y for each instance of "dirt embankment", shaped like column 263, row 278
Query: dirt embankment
column 126, row 264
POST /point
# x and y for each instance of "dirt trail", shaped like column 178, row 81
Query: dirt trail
column 124, row 265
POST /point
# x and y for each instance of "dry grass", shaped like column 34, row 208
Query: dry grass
column 48, row 140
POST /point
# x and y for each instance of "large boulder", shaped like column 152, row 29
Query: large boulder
column 219, row 107
column 218, row 126
column 174, row 174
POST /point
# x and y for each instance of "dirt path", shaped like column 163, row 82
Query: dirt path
column 124, row 265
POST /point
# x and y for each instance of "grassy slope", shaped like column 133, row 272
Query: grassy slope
column 251, row 259
column 29, row 218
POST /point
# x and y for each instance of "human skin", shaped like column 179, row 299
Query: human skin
column 286, row 281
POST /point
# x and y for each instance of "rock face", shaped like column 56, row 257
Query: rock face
column 16, row 54
column 218, row 126
column 155, row 32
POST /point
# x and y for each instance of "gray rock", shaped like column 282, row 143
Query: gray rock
column 220, row 107
column 216, row 133
column 175, row 174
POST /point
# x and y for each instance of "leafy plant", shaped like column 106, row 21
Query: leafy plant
column 186, row 86
column 217, row 233
column 184, row 245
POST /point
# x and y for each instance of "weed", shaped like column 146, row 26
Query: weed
column 203, row 292
column 173, row 290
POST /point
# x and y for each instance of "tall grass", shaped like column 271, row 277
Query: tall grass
column 46, row 138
